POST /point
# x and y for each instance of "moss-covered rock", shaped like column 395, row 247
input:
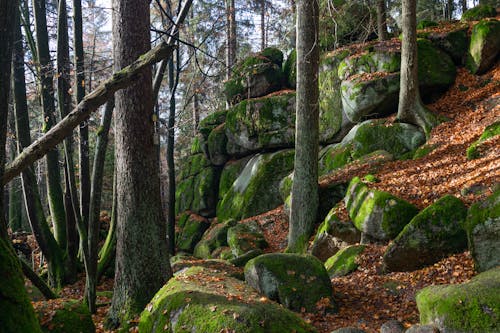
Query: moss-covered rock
column 344, row 261
column 475, row 149
column 479, row 12
column 217, row 141
column 193, row 227
column 261, row 123
column 230, row 173
column 215, row 237
column 484, row 46
column 434, row 233
column 207, row 125
column 454, row 42
column 255, row 76
column 242, row 260
column 193, row 165
column 332, row 235
column 472, row 307
column 245, row 237
column 282, row 277
column 63, row 316
column 205, row 300
column 424, row 150
column 184, row 263
column 290, row 69
column 426, row 24
column 367, row 96
column 483, row 232
column 256, row 190
column 378, row 214
column 387, row 61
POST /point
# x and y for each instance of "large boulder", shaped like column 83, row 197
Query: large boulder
column 472, row 307
column 344, row 261
column 197, row 185
column 282, row 277
column 453, row 41
column 483, row 232
column 475, row 150
column 434, row 233
column 205, row 127
column 230, row 173
column 255, row 76
column 217, row 145
column 191, row 228
column 378, row 214
column 62, row 316
column 290, row 69
column 245, row 237
column 208, row 300
column 484, row 46
column 387, row 61
column 215, row 237
column 256, row 190
column 261, row 123
column 479, row 12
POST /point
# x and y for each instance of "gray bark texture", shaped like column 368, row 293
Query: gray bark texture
column 381, row 20
column 231, row 36
column 142, row 260
column 304, row 203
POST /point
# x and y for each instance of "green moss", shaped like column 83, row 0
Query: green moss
column 484, row 46
column 290, row 69
column 273, row 54
column 344, row 261
column 282, row 276
column 213, row 238
column 424, row 151
column 479, row 12
column 65, row 316
column 473, row 151
column 426, row 24
column 436, row 70
column 245, row 237
column 186, row 305
column 286, row 186
column 469, row 307
column 217, row 141
column 191, row 232
column 229, row 174
column 334, row 157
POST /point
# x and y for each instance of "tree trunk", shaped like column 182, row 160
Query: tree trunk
column 15, row 221
column 464, row 5
column 16, row 313
column 304, row 203
column 54, row 190
column 381, row 20
column 108, row 250
column 411, row 109
column 231, row 36
column 262, row 24
column 84, row 129
column 95, row 204
column 142, row 264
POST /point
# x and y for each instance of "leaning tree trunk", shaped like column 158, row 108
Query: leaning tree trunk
column 55, row 194
column 108, row 250
column 142, row 265
column 381, row 20
column 411, row 109
column 16, row 312
column 304, row 203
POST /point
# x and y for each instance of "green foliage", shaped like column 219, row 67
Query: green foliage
column 479, row 12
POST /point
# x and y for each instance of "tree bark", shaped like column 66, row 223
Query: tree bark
column 411, row 109
column 231, row 37
column 381, row 20
column 263, row 41
column 304, row 203
column 16, row 313
column 142, row 265
column 108, row 250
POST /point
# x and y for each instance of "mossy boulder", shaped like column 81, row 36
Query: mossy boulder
column 475, row 149
column 256, row 190
column 184, row 263
column 208, row 300
column 261, row 123
column 241, row 261
column 63, row 316
column 484, row 46
column 434, row 233
column 230, row 173
column 472, row 307
column 245, row 237
column 215, row 237
column 282, row 277
column 332, row 235
column 207, row 125
column 378, row 214
column 191, row 229
column 255, row 76
column 483, row 232
column 196, row 190
column 367, row 96
column 454, row 42
column 290, row 69
column 216, row 144
column 479, row 12
column 344, row 261
column 426, row 24
column 370, row 62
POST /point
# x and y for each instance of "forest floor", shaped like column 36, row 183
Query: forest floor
column 367, row 298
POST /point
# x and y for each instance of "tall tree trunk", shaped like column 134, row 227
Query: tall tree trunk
column 142, row 265
column 55, row 194
column 381, row 20
column 263, row 24
column 231, row 36
column 15, row 221
column 411, row 109
column 95, row 205
column 108, row 250
column 464, row 5
column 84, row 129
column 34, row 208
column 196, row 112
column 16, row 314
column 304, row 203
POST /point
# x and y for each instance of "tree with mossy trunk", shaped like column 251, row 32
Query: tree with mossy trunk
column 16, row 312
column 304, row 205
column 142, row 264
column 411, row 108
